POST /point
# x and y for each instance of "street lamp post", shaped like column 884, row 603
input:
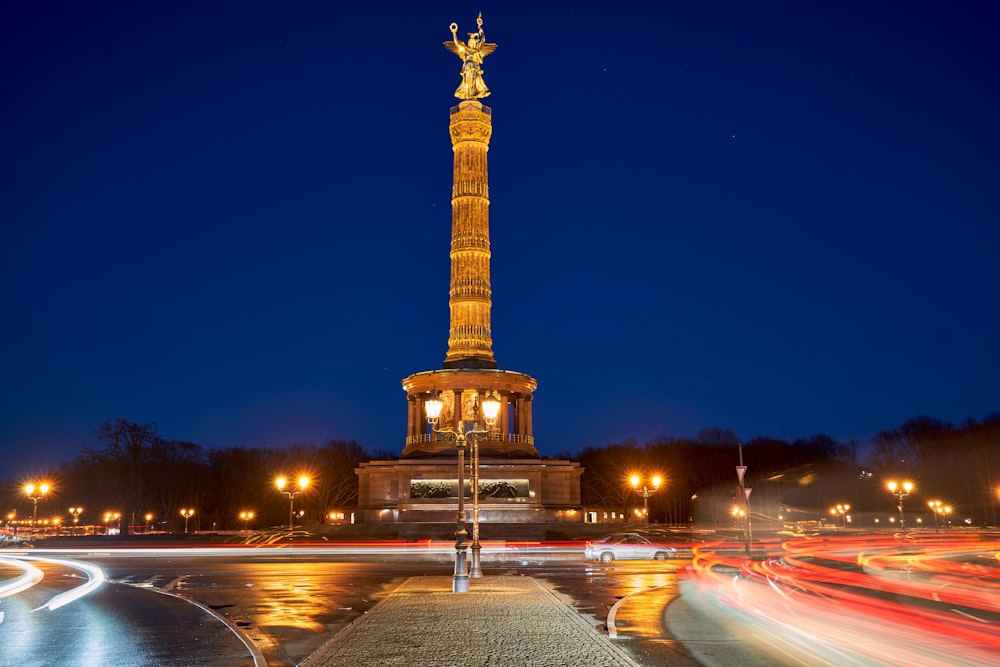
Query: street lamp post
column 900, row 491
column 739, row 514
column 741, row 471
column 281, row 482
column 246, row 516
column 938, row 509
column 462, row 437
column 108, row 518
column 35, row 493
column 187, row 514
column 491, row 408
column 840, row 514
column 149, row 522
column 640, row 487
column 75, row 512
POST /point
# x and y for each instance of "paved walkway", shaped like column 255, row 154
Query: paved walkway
column 503, row 621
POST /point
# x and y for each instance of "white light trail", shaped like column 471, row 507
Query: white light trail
column 30, row 575
column 95, row 577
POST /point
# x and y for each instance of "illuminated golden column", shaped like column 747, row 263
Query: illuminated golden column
column 470, row 339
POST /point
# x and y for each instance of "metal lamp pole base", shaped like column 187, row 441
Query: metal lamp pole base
column 460, row 580
column 475, row 572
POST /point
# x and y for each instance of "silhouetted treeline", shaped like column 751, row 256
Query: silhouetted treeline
column 959, row 465
column 135, row 471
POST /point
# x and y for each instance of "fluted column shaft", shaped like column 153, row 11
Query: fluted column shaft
column 470, row 338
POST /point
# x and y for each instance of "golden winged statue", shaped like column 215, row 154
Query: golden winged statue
column 472, row 53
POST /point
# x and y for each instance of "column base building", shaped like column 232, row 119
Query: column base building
column 425, row 490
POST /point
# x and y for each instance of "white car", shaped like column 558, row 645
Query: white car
column 627, row 546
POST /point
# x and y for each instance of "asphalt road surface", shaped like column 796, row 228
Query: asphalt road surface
column 116, row 626
column 288, row 609
column 924, row 599
column 285, row 606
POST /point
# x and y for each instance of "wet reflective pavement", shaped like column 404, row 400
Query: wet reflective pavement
column 117, row 626
column 285, row 604
column 285, row 608
column 290, row 608
column 628, row 601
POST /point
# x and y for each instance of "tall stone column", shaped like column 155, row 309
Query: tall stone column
column 470, row 338
column 469, row 365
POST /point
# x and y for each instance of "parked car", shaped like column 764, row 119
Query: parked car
column 627, row 546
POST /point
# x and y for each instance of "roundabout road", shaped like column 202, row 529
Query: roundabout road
column 285, row 603
column 115, row 626
column 833, row 599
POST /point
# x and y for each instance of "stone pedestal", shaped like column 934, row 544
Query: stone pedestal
column 512, row 490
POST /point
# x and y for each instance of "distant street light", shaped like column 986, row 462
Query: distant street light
column 187, row 514
column 76, row 512
column 281, row 483
column 938, row 509
column 643, row 489
column 36, row 493
column 900, row 491
column 246, row 516
column 462, row 437
column 840, row 514
column 149, row 522
column 738, row 513
column 108, row 518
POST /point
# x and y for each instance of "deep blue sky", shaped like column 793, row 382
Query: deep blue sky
column 232, row 218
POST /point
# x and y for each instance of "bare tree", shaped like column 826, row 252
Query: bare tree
column 127, row 452
column 606, row 472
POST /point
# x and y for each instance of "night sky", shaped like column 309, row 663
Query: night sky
column 233, row 218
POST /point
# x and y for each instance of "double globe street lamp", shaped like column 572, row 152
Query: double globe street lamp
column 644, row 490
column 110, row 517
column 938, row 510
column 36, row 493
column 187, row 514
column 900, row 491
column 463, row 437
column 839, row 513
column 282, row 482
column 739, row 514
